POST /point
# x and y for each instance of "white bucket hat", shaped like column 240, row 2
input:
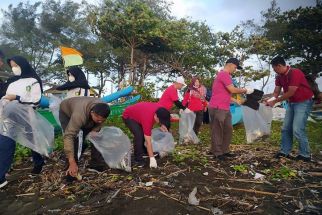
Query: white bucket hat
column 180, row 80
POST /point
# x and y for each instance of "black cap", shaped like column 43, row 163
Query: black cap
column 164, row 117
column 234, row 61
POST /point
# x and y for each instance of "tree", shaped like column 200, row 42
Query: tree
column 300, row 35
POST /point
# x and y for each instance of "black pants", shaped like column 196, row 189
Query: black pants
column 138, row 140
column 198, row 121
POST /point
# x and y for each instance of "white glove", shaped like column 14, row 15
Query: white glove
column 249, row 90
column 153, row 163
column 187, row 110
column 271, row 99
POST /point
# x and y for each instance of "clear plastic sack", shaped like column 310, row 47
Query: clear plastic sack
column 54, row 104
column 114, row 145
column 186, row 133
column 257, row 122
column 162, row 142
column 24, row 125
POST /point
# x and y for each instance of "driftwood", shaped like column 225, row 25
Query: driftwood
column 257, row 192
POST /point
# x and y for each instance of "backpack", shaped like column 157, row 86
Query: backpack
column 310, row 78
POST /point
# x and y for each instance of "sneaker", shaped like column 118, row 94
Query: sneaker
column 68, row 179
column 37, row 169
column 230, row 155
column 302, row 158
column 282, row 155
column 220, row 157
column 138, row 163
column 96, row 169
column 3, row 183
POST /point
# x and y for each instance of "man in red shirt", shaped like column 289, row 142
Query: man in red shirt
column 140, row 118
column 170, row 95
column 298, row 93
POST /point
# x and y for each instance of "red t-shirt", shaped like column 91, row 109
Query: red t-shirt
column 295, row 77
column 142, row 113
column 169, row 96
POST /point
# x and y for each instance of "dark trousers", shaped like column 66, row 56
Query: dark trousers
column 221, row 131
column 138, row 140
column 198, row 121
column 7, row 152
column 96, row 157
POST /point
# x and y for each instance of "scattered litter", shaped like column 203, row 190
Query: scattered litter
column 259, row 176
column 216, row 211
column 205, row 173
column 192, row 200
column 149, row 184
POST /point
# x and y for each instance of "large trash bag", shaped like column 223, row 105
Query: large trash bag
column 23, row 124
column 186, row 133
column 114, row 145
column 257, row 122
column 162, row 142
column 54, row 104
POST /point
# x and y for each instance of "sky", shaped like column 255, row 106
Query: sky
column 220, row 15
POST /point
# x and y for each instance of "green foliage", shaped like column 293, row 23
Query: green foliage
column 21, row 152
column 242, row 168
column 299, row 32
column 147, row 92
column 283, row 173
column 185, row 153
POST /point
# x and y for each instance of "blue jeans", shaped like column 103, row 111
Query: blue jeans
column 7, row 152
column 294, row 125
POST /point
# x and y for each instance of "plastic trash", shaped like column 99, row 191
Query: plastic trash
column 23, row 124
column 114, row 146
column 54, row 104
column 259, row 176
column 257, row 122
column 162, row 142
column 186, row 133
column 192, row 200
column 216, row 211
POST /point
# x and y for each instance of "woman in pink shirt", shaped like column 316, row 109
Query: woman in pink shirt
column 195, row 100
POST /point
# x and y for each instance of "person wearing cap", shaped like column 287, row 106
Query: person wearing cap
column 298, row 93
column 170, row 95
column 86, row 114
column 140, row 118
column 219, row 109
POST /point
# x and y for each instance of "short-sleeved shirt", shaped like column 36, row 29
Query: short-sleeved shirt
column 220, row 97
column 142, row 113
column 169, row 96
column 295, row 77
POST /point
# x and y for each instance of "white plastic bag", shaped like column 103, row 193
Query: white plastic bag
column 257, row 122
column 186, row 133
column 162, row 142
column 114, row 146
column 23, row 124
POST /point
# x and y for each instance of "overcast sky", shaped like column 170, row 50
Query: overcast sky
column 220, row 15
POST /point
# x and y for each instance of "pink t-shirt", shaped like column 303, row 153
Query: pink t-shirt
column 220, row 97
column 169, row 96
column 142, row 113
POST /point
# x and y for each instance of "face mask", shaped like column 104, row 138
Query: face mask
column 16, row 70
column 71, row 78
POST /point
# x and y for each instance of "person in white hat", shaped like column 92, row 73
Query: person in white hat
column 170, row 95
